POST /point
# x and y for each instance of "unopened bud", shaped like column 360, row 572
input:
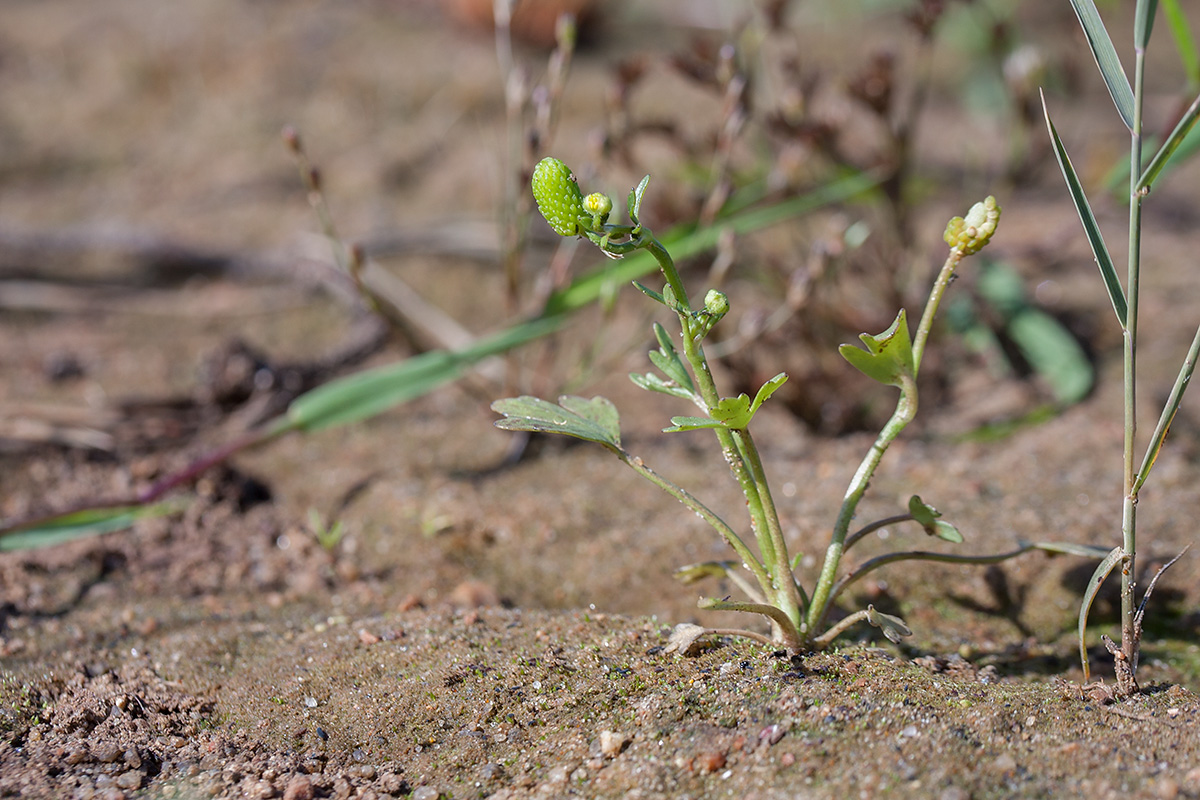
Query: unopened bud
column 716, row 303
column 599, row 206
column 969, row 234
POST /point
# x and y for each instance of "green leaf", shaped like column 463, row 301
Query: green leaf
column 1143, row 23
column 1106, row 58
column 1103, row 260
column 634, row 203
column 653, row 295
column 1185, row 43
column 1170, row 407
column 1068, row 548
column 679, row 424
column 365, row 394
column 766, row 390
column 1164, row 154
column 694, row 573
column 927, row 516
column 594, row 420
column 80, row 524
column 888, row 357
column 653, row 383
column 734, row 413
column 893, row 627
column 1102, row 571
column 1053, row 353
column 667, row 360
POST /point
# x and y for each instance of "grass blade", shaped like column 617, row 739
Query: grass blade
column 1143, row 23
column 365, row 394
column 1168, row 413
column 1171, row 145
column 1102, row 572
column 89, row 522
column 1185, row 43
column 1103, row 260
column 1106, row 58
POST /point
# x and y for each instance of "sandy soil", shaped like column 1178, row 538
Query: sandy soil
column 482, row 632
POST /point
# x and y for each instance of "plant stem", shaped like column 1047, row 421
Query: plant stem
column 945, row 276
column 874, row 526
column 906, row 409
column 739, row 451
column 749, row 560
column 923, row 555
column 1129, row 637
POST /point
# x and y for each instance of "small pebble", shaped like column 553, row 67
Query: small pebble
column 611, row 744
column 106, row 752
column 260, row 790
column 1005, row 763
column 1166, row 789
column 425, row 793
column 299, row 788
column 131, row 779
column 709, row 762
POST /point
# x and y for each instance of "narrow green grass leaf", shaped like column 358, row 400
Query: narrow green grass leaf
column 1171, row 145
column 1168, row 412
column 80, row 524
column 1106, row 58
column 1143, row 23
column 365, row 394
column 1103, row 260
column 1185, row 43
column 1103, row 569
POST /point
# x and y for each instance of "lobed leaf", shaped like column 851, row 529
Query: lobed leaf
column 889, row 355
column 594, row 420
column 927, row 516
column 892, row 626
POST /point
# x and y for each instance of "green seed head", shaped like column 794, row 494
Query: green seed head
column 972, row 232
column 558, row 196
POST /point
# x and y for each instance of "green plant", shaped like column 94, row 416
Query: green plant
column 1128, row 100
column 798, row 620
column 327, row 535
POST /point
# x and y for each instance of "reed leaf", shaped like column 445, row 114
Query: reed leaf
column 1106, row 58
column 1102, row 572
column 1092, row 228
column 1171, row 146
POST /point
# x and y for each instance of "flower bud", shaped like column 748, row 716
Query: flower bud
column 971, row 233
column 599, row 206
column 558, row 196
column 716, row 303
